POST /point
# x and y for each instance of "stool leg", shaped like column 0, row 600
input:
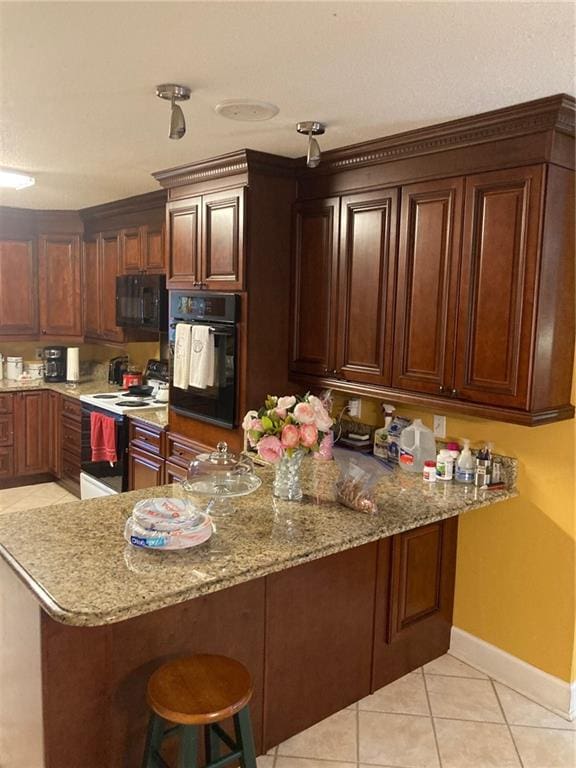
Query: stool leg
column 153, row 741
column 189, row 746
column 211, row 744
column 244, row 738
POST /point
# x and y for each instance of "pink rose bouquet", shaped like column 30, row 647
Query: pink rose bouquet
column 287, row 424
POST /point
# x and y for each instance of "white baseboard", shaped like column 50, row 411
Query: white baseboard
column 545, row 689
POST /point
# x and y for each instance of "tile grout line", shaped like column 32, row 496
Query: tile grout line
column 542, row 706
column 431, row 717
column 507, row 723
column 275, row 757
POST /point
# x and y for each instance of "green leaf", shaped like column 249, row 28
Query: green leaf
column 267, row 423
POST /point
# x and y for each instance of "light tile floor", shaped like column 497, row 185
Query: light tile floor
column 33, row 496
column 445, row 715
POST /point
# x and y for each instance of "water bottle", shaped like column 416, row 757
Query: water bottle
column 417, row 445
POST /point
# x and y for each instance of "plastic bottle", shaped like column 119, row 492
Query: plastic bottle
column 454, row 449
column 444, row 465
column 417, row 445
column 465, row 465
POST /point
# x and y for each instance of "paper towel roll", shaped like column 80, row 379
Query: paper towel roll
column 73, row 364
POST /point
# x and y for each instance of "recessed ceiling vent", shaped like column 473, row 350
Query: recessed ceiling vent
column 246, row 110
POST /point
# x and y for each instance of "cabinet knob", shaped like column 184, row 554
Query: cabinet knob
column 441, row 388
column 43, row 331
column 454, row 392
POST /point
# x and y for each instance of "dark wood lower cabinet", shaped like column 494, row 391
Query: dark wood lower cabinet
column 144, row 470
column 316, row 638
column 31, row 428
column 414, row 599
column 55, row 434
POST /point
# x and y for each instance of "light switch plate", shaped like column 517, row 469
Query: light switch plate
column 439, row 426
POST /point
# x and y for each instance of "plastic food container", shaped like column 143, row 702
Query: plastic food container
column 33, row 369
column 14, row 367
column 167, row 524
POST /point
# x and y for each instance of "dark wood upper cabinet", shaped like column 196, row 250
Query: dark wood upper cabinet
column 497, row 296
column 428, row 267
column 92, row 288
column 366, row 286
column 142, row 250
column 222, row 261
column 60, row 274
column 131, row 250
column 315, row 301
column 183, row 222
column 109, row 269
column 18, row 288
column 153, row 255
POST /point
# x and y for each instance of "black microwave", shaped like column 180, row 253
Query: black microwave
column 142, row 302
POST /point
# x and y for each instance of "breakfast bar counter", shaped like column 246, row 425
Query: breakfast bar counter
column 323, row 604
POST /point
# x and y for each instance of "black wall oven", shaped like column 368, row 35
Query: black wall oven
column 219, row 312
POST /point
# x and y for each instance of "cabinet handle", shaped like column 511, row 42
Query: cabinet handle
column 454, row 393
column 441, row 388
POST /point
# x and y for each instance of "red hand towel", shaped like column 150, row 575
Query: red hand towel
column 103, row 437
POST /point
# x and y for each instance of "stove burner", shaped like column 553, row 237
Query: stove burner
column 104, row 397
column 133, row 403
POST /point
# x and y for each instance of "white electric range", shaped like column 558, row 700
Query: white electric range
column 121, row 402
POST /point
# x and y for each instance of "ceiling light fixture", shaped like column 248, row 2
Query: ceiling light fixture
column 311, row 128
column 15, row 180
column 174, row 93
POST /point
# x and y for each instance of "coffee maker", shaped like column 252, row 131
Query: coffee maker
column 117, row 367
column 54, row 363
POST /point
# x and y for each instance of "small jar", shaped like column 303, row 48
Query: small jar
column 444, row 465
column 14, row 367
column 429, row 473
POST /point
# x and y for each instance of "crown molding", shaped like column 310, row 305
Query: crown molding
column 553, row 113
column 128, row 205
column 225, row 165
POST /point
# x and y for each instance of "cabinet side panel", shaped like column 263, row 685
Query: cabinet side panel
column 21, row 732
column 554, row 350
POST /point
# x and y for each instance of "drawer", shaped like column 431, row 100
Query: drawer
column 71, row 437
column 6, row 403
column 70, row 465
column 6, row 463
column 180, row 450
column 72, row 409
column 175, row 473
column 147, row 438
column 6, row 429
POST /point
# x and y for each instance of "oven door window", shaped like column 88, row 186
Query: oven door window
column 214, row 404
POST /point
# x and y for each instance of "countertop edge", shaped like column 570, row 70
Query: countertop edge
column 85, row 619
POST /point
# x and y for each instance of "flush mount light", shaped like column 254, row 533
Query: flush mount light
column 311, row 128
column 15, row 180
column 246, row 110
column 174, row 93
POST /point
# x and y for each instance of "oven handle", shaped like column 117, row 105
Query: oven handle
column 225, row 332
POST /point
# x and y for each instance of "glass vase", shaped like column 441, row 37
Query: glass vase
column 287, row 479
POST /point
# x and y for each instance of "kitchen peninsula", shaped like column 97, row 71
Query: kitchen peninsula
column 321, row 603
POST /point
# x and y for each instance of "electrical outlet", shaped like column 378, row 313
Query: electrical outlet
column 439, row 426
column 38, row 353
column 355, row 407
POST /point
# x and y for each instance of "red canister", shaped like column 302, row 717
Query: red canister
column 131, row 378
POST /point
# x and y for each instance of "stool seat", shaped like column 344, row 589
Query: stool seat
column 199, row 690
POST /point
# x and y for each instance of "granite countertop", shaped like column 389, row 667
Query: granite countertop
column 156, row 416
column 74, row 558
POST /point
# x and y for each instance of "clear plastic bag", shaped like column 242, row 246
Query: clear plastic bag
column 355, row 489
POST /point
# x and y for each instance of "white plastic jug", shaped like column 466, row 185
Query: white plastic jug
column 417, row 445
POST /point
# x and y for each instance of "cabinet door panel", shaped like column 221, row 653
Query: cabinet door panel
column 500, row 252
column 144, row 470
column 414, row 599
column 109, row 270
column 223, row 240
column 18, row 288
column 6, row 429
column 6, row 463
column 184, row 241
column 153, row 250
column 60, row 285
column 314, row 301
column 31, row 433
column 428, row 265
column 367, row 262
column 92, row 289
column 131, row 250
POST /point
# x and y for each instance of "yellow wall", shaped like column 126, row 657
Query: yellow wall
column 138, row 352
column 515, row 579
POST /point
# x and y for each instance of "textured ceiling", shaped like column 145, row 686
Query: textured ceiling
column 77, row 103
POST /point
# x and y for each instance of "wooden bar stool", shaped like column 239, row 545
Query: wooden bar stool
column 195, row 691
